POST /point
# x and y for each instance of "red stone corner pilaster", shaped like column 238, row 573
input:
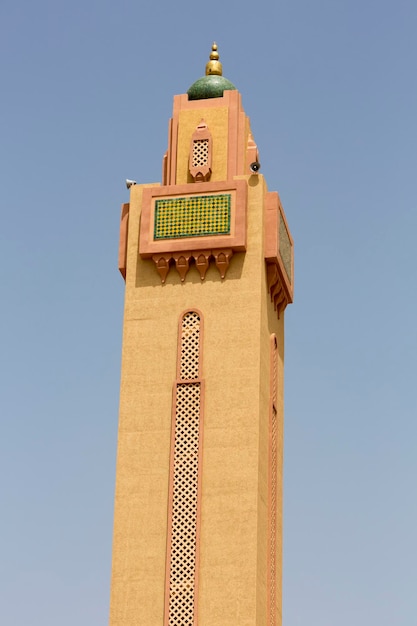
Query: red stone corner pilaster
column 124, row 223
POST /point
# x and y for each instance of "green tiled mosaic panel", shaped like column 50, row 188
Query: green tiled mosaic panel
column 285, row 247
column 192, row 216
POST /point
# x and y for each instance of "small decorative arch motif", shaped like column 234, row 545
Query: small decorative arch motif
column 185, row 476
column 201, row 153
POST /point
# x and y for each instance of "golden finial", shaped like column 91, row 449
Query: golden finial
column 214, row 66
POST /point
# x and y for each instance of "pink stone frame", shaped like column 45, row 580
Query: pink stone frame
column 236, row 240
column 178, row 381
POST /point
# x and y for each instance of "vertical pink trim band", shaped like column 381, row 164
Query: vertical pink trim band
column 272, row 486
column 124, row 223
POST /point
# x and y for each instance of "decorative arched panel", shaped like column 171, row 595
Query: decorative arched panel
column 185, row 476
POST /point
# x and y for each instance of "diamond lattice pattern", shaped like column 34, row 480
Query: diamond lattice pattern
column 190, row 346
column 192, row 216
column 185, row 478
column 200, row 152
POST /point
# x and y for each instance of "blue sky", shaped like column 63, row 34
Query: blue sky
column 331, row 91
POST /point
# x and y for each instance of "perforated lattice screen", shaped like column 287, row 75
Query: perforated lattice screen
column 192, row 216
column 200, row 152
column 273, row 536
column 190, row 344
column 185, row 478
column 273, row 488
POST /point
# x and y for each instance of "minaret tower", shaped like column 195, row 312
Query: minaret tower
column 208, row 261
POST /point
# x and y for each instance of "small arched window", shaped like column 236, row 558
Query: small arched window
column 201, row 153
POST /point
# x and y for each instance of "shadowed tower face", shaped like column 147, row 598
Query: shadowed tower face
column 208, row 261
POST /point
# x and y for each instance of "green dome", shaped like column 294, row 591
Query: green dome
column 211, row 86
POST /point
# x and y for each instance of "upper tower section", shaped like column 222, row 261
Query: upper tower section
column 210, row 178
column 209, row 134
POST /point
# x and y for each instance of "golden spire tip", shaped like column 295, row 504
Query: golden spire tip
column 214, row 66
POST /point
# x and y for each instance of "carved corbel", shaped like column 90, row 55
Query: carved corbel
column 162, row 265
column 276, row 288
column 280, row 302
column 182, row 263
column 222, row 258
column 202, row 261
column 278, row 298
column 272, row 276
